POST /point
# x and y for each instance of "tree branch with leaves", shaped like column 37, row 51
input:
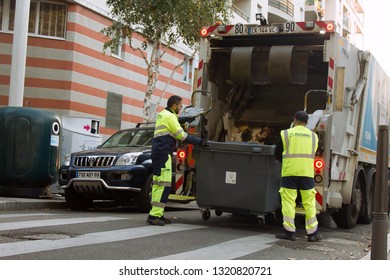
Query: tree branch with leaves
column 164, row 23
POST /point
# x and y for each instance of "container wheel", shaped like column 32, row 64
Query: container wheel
column 260, row 221
column 218, row 212
column 206, row 214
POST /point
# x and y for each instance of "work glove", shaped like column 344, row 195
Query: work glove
column 183, row 120
column 189, row 119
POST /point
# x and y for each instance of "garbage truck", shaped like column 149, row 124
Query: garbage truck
column 257, row 77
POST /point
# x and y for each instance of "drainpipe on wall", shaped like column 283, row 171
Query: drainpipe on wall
column 19, row 50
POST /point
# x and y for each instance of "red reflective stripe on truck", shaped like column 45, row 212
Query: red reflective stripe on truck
column 331, row 63
column 200, row 73
column 200, row 66
column 319, row 198
column 330, row 82
column 179, row 182
column 199, row 83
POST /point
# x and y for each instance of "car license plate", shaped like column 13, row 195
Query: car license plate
column 88, row 174
column 262, row 29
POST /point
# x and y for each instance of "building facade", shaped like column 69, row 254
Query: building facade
column 68, row 73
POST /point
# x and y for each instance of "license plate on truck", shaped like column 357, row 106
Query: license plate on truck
column 88, row 174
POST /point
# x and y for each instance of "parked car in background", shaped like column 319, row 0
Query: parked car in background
column 118, row 170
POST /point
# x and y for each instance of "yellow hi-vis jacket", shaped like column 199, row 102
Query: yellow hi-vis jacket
column 167, row 131
column 299, row 147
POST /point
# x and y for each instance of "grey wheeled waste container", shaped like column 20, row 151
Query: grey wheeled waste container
column 29, row 151
column 239, row 178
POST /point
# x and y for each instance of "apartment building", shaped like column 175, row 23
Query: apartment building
column 66, row 71
column 347, row 14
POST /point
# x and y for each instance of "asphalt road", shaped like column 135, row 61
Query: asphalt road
column 189, row 237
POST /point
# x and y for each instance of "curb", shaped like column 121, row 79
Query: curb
column 11, row 203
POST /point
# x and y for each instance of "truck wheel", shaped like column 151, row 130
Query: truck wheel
column 76, row 201
column 368, row 205
column 143, row 199
column 348, row 215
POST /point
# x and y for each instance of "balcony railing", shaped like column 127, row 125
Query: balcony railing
column 283, row 5
column 240, row 13
column 311, row 2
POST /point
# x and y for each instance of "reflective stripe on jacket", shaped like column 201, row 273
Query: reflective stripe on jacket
column 166, row 132
column 299, row 147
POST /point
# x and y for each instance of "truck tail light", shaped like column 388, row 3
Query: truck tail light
column 329, row 27
column 181, row 154
column 318, row 168
column 204, row 31
column 318, row 164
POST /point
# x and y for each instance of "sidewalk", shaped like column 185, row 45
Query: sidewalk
column 16, row 203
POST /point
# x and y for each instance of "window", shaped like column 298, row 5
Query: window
column 45, row 18
column 114, row 110
column 117, row 51
column 1, row 13
column 187, row 70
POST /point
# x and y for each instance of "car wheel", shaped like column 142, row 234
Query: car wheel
column 144, row 198
column 75, row 201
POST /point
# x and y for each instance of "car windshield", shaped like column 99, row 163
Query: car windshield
column 130, row 138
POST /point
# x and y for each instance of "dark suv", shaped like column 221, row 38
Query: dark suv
column 120, row 170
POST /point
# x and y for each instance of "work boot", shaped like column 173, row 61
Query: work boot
column 166, row 220
column 155, row 221
column 286, row 235
column 315, row 237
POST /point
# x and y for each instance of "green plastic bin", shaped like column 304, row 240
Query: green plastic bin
column 29, row 151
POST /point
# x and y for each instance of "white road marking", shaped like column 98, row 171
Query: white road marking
column 227, row 250
column 56, row 222
column 25, row 215
column 25, row 247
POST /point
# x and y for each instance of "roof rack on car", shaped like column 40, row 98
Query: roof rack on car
column 147, row 124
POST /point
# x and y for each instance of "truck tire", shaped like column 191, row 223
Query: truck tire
column 76, row 201
column 368, row 203
column 143, row 199
column 348, row 215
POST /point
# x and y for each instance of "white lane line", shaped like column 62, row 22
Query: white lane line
column 54, row 222
column 226, row 250
column 25, row 247
column 25, row 215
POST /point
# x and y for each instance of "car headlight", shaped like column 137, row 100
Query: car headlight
column 67, row 160
column 128, row 159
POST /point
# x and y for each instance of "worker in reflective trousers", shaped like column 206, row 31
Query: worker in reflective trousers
column 296, row 150
column 167, row 131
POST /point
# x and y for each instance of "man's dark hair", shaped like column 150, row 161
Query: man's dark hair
column 174, row 99
column 301, row 116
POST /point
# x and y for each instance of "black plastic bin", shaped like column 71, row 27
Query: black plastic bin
column 239, row 178
column 30, row 149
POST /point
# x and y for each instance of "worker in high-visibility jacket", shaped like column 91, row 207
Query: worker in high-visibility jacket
column 167, row 131
column 296, row 150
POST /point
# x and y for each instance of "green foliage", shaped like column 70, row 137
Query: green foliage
column 163, row 20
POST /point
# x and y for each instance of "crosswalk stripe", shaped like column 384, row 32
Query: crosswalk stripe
column 25, row 215
column 25, row 247
column 56, row 222
column 229, row 250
